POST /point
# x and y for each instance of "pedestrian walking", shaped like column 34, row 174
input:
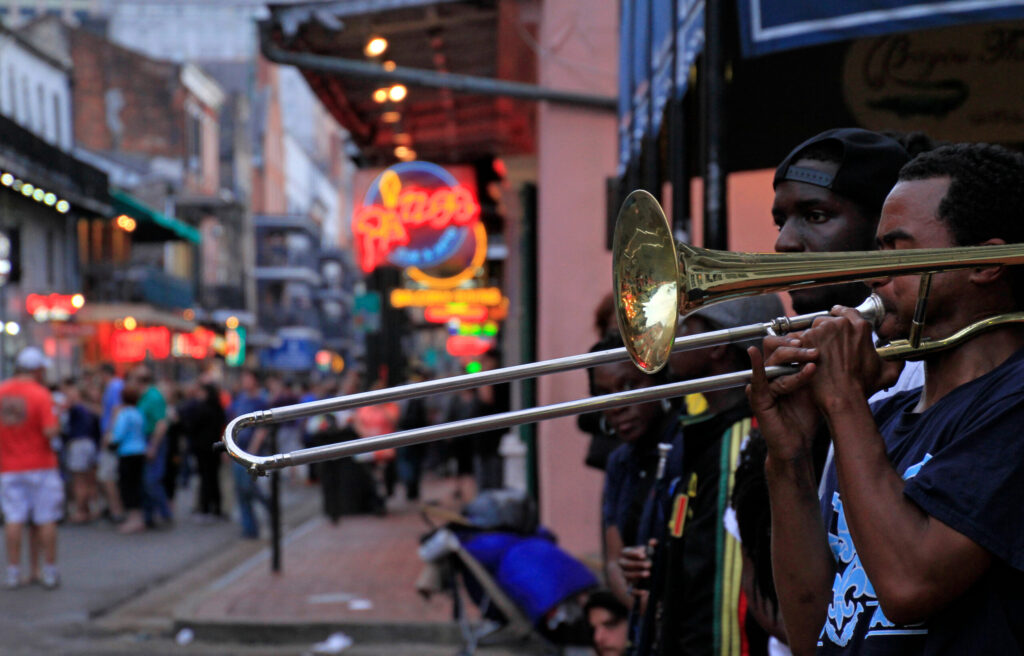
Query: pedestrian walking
column 31, row 489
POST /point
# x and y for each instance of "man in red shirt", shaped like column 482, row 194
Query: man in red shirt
column 30, row 485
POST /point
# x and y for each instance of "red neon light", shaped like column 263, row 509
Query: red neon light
column 197, row 344
column 379, row 229
column 465, row 345
column 134, row 345
column 53, row 306
column 461, row 311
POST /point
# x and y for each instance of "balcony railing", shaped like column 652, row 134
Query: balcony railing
column 109, row 283
column 222, row 297
column 275, row 317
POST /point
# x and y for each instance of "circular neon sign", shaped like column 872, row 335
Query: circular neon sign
column 417, row 216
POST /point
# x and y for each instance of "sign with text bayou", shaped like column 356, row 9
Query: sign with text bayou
column 420, row 217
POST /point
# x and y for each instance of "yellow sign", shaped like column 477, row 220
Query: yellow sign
column 489, row 296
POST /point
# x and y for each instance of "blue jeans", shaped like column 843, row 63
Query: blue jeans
column 246, row 491
column 154, row 496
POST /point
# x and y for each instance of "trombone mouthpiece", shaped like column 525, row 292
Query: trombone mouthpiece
column 872, row 310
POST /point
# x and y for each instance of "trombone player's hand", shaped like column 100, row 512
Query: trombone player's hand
column 847, row 365
column 784, row 407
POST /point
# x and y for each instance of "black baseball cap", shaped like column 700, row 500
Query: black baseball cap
column 869, row 166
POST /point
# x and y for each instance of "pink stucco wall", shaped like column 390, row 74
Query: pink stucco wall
column 576, row 153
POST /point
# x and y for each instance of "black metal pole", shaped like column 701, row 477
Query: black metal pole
column 713, row 136
column 275, row 512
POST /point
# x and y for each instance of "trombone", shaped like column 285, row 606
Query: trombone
column 655, row 279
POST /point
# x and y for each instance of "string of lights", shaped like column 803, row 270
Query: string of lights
column 38, row 194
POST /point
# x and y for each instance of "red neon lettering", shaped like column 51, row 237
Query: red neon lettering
column 379, row 229
column 465, row 345
column 133, row 345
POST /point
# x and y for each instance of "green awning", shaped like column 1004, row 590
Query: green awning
column 127, row 204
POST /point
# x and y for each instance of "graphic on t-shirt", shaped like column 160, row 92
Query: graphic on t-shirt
column 852, row 592
column 13, row 411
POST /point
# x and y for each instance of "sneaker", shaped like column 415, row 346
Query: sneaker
column 12, row 579
column 50, row 578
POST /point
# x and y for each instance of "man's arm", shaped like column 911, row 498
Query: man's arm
column 159, row 430
column 916, row 563
column 613, row 571
column 802, row 563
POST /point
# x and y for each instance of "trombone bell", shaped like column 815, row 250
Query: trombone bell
column 655, row 278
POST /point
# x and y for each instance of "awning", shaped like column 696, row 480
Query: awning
column 144, row 314
column 125, row 203
column 773, row 25
column 657, row 49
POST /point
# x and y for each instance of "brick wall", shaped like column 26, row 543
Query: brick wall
column 125, row 101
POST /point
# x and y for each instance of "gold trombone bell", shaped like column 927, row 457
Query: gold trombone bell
column 656, row 279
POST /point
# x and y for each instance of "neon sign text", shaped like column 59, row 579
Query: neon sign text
column 381, row 228
column 489, row 296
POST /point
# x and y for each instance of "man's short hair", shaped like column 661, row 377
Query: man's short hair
column 606, row 600
column 985, row 199
column 869, row 163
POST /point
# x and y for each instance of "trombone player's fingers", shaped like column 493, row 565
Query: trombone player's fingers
column 784, row 406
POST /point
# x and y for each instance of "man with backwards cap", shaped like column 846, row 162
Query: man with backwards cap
column 829, row 192
column 31, row 489
column 921, row 546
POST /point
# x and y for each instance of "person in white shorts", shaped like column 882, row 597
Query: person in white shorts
column 31, row 490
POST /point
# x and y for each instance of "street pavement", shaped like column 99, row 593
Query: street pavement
column 205, row 586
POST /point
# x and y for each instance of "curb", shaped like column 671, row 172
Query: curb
column 284, row 632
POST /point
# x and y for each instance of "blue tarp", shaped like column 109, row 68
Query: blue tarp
column 772, row 25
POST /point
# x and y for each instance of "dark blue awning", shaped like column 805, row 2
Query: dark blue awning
column 656, row 50
column 772, row 25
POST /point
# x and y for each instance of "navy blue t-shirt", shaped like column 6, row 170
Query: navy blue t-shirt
column 963, row 463
column 628, row 478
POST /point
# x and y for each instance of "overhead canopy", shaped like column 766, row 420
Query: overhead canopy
column 772, row 25
column 657, row 51
column 151, row 222
column 484, row 39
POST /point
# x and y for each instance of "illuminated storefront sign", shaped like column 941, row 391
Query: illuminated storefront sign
column 467, row 345
column 136, row 345
column 53, row 307
column 486, row 296
column 460, row 311
column 234, row 347
column 417, row 216
column 197, row 344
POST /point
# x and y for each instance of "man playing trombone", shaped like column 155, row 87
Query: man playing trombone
column 922, row 545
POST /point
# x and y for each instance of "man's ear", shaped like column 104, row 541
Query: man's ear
column 988, row 274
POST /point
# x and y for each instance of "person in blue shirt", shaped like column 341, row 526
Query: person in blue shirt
column 917, row 545
column 250, row 398
column 128, row 437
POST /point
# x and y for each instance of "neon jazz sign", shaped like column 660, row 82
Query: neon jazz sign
column 415, row 214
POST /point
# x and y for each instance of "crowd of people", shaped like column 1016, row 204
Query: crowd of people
column 860, row 505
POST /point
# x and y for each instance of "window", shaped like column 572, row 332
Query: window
column 51, row 259
column 41, row 110
column 194, row 128
column 58, row 126
column 12, row 93
column 26, row 110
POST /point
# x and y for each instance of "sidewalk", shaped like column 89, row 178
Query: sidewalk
column 357, row 577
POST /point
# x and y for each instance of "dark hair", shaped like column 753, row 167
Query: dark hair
column 753, row 514
column 613, row 341
column 606, row 600
column 985, row 198
column 914, row 142
column 108, row 368
column 130, row 395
